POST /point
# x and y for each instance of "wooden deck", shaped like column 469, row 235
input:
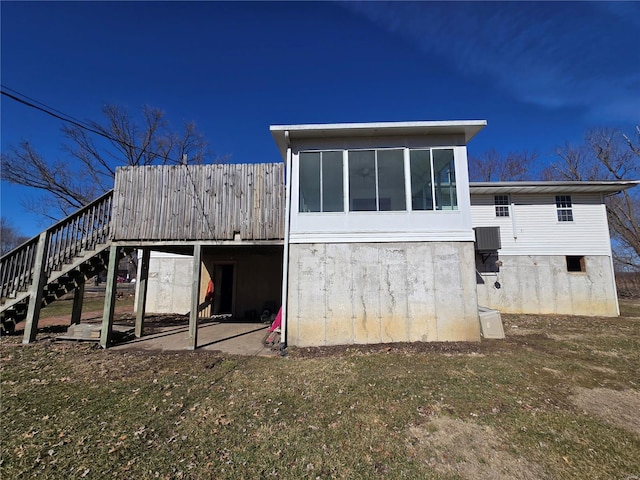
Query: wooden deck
column 199, row 202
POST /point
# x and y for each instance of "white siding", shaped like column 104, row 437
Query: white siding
column 537, row 229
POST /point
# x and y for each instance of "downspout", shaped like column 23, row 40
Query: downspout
column 285, row 255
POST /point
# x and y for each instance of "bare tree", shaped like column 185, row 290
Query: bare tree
column 10, row 237
column 608, row 155
column 491, row 166
column 93, row 153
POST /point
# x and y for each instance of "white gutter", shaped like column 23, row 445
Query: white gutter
column 285, row 255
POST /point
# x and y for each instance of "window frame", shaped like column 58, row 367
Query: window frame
column 320, row 180
column 564, row 208
column 376, row 178
column 406, row 184
column 501, row 203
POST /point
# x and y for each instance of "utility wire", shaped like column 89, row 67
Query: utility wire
column 15, row 92
column 80, row 124
column 69, row 119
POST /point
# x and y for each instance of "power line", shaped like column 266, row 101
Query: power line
column 42, row 107
column 84, row 126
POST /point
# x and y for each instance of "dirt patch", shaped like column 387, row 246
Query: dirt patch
column 455, row 447
column 619, row 408
column 469, row 348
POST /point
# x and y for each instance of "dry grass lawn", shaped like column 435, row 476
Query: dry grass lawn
column 559, row 398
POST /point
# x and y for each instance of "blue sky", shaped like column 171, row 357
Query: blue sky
column 539, row 73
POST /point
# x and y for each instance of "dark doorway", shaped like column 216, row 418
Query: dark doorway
column 223, row 281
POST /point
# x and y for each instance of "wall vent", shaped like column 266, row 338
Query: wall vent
column 487, row 239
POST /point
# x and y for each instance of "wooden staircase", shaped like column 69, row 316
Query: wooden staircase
column 54, row 263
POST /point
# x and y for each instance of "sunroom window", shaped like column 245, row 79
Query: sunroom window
column 376, row 180
column 433, row 174
column 321, row 180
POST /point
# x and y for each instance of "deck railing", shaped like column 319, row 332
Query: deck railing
column 80, row 232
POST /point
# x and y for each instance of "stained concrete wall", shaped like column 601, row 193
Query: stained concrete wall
column 169, row 284
column 541, row 284
column 257, row 278
column 358, row 293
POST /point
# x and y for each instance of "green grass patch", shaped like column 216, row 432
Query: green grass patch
column 538, row 404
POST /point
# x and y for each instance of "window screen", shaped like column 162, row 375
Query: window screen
column 444, row 179
column 376, row 180
column 421, row 186
column 321, row 182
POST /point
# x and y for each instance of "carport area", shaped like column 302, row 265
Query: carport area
column 222, row 297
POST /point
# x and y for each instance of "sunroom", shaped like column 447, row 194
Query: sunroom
column 378, row 233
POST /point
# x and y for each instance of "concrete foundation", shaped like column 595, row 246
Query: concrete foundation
column 169, row 283
column 257, row 278
column 254, row 280
column 541, row 284
column 359, row 293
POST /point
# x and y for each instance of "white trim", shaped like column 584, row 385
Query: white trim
column 383, row 237
column 407, row 180
column 285, row 254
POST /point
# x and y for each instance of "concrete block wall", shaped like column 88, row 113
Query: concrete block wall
column 541, row 284
column 358, row 293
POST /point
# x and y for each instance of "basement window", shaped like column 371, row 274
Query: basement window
column 575, row 264
column 502, row 205
column 563, row 205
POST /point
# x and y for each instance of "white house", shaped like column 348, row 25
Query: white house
column 555, row 252
column 385, row 239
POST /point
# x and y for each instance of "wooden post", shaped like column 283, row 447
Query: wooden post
column 37, row 289
column 195, row 297
column 142, row 291
column 109, row 297
column 78, row 296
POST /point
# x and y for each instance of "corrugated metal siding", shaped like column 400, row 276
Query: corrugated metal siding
column 199, row 202
column 538, row 230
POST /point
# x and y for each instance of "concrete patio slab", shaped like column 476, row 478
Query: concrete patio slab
column 229, row 337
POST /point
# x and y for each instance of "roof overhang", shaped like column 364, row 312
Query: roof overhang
column 468, row 128
column 498, row 188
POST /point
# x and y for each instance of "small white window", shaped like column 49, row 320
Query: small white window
column 502, row 205
column 563, row 205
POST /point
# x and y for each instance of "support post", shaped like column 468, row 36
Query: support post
column 78, row 297
column 195, row 297
column 109, row 297
column 37, row 289
column 142, row 291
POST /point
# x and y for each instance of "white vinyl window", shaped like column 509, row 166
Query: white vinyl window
column 433, row 175
column 564, row 208
column 321, row 182
column 502, row 205
column 376, row 180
